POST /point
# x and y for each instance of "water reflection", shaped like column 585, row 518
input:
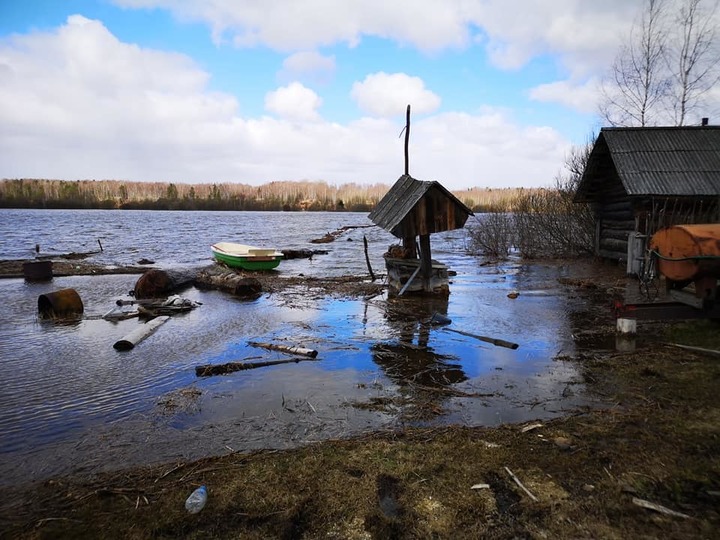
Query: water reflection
column 420, row 373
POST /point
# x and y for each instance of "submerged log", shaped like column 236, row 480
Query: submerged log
column 222, row 369
column 285, row 348
column 229, row 282
column 494, row 341
column 157, row 283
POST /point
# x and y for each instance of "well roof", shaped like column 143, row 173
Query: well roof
column 398, row 211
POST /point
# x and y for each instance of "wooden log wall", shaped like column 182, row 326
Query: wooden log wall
column 616, row 220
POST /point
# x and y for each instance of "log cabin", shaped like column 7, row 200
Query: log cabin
column 641, row 179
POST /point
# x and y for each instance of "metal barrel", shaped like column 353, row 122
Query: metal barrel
column 60, row 304
column 38, row 270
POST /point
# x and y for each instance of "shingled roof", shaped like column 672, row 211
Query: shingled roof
column 655, row 161
column 415, row 207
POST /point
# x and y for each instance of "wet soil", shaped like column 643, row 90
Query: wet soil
column 586, row 475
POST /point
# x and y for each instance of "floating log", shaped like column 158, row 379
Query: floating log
column 222, row 369
column 139, row 334
column 67, row 256
column 285, row 348
column 229, row 282
column 494, row 341
column 156, row 283
column 303, row 253
column 331, row 236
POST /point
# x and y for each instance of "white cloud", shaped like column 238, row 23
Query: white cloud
column 485, row 149
column 79, row 103
column 308, row 65
column 307, row 24
column 584, row 34
column 294, row 102
column 388, row 94
column 583, row 97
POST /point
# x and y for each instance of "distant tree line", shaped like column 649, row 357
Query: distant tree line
column 275, row 196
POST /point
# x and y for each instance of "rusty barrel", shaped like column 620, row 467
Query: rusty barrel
column 65, row 303
column 38, row 270
column 688, row 252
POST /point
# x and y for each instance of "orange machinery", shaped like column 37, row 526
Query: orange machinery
column 688, row 254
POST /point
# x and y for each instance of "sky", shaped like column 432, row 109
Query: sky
column 254, row 91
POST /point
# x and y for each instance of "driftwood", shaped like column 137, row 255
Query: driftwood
column 520, row 485
column 156, row 283
column 285, row 348
column 139, row 334
column 331, row 236
column 119, row 314
column 229, row 281
column 303, row 253
column 494, row 341
column 222, row 369
column 700, row 350
column 658, row 508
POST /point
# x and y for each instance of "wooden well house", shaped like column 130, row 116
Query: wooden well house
column 412, row 210
column 639, row 180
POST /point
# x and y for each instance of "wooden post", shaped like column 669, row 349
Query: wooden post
column 407, row 141
column 409, row 245
column 425, row 261
column 367, row 258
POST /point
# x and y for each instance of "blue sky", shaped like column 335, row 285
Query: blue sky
column 251, row 92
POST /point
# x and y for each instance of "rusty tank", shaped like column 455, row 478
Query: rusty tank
column 689, row 254
column 61, row 304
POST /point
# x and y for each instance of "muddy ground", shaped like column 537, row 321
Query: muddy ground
column 648, row 466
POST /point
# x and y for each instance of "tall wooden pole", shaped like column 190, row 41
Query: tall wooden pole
column 407, row 140
column 408, row 242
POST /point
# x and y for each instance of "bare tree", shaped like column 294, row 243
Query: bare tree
column 637, row 85
column 695, row 61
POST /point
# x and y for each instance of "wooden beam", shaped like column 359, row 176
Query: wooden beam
column 407, row 141
column 425, row 261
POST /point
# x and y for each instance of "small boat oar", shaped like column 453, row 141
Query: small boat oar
column 438, row 319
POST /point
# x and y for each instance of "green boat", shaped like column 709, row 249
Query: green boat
column 246, row 257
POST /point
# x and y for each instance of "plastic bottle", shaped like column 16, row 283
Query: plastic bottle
column 196, row 501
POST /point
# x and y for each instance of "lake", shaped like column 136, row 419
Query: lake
column 72, row 404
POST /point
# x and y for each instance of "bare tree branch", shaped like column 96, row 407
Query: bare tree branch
column 695, row 61
column 666, row 67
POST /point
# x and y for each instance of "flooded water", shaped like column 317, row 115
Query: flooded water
column 71, row 403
